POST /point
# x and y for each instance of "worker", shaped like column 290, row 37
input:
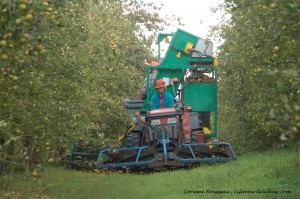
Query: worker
column 153, row 73
column 161, row 99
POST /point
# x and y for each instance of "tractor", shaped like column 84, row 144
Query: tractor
column 184, row 135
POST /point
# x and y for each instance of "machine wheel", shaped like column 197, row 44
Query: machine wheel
column 132, row 140
column 194, row 137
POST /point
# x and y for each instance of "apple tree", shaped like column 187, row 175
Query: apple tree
column 259, row 73
column 66, row 69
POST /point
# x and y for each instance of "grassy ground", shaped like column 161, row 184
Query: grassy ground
column 266, row 173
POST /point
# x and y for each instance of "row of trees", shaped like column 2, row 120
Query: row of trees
column 259, row 99
column 66, row 69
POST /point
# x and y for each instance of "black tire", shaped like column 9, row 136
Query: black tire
column 133, row 139
column 194, row 138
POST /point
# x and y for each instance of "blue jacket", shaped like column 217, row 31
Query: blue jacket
column 168, row 101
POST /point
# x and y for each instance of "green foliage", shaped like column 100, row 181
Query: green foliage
column 259, row 74
column 66, row 69
column 277, row 171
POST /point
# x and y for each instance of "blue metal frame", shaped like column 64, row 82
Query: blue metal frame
column 166, row 156
column 204, row 160
column 130, row 164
